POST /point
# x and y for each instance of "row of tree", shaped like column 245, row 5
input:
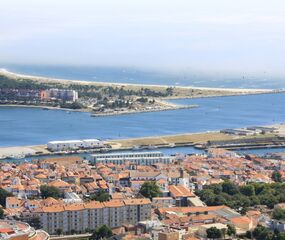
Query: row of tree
column 215, row 233
column 92, row 91
column 100, row 233
column 242, row 197
column 263, row 233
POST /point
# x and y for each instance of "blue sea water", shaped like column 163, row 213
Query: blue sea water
column 132, row 75
column 28, row 126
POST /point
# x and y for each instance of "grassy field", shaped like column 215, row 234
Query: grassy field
column 194, row 138
column 171, row 139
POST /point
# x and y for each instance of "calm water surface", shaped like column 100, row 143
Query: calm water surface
column 27, row 126
column 132, row 75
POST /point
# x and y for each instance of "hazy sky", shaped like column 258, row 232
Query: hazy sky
column 239, row 35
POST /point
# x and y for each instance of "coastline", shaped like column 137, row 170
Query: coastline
column 167, row 107
column 44, row 107
column 132, row 85
column 114, row 113
column 180, row 92
column 195, row 140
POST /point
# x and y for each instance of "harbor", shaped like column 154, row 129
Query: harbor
column 273, row 138
column 25, row 132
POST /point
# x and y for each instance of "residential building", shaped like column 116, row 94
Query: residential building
column 63, row 94
column 81, row 216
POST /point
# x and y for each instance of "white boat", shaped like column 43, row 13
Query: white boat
column 136, row 147
column 152, row 147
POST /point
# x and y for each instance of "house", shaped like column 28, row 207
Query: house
column 63, row 186
column 164, row 202
column 13, row 202
column 180, row 194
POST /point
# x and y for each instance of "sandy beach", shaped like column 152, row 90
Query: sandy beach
column 179, row 92
column 132, row 85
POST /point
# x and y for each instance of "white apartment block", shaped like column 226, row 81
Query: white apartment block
column 82, row 216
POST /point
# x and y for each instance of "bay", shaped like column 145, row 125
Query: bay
column 31, row 126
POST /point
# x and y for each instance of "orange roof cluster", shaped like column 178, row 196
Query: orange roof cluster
column 59, row 184
column 92, row 205
column 186, row 210
column 180, row 191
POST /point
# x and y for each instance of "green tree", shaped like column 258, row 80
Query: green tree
column 73, row 105
column 276, row 176
column 262, row 233
column 50, row 191
column 213, row 233
column 216, row 188
column 1, row 213
column 3, row 195
column 223, row 232
column 278, row 214
column 268, row 199
column 169, row 91
column 280, row 236
column 231, row 230
column 230, row 188
column 101, row 196
column 246, row 196
column 35, row 222
column 101, row 232
column 247, row 190
column 150, row 190
column 59, row 231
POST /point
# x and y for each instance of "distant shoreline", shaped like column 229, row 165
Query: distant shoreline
column 134, row 85
column 181, row 92
column 170, row 107
column 44, row 107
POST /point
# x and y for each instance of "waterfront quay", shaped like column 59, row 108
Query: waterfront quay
column 215, row 139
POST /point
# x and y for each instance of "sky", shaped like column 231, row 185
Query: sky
column 214, row 35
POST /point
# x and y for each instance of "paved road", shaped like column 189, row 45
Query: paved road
column 76, row 236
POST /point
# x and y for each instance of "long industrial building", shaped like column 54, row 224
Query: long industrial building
column 74, row 144
column 138, row 158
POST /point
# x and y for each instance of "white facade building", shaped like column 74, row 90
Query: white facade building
column 74, row 144
column 139, row 158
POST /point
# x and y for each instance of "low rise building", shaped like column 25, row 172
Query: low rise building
column 74, row 144
column 139, row 158
column 162, row 202
column 14, row 230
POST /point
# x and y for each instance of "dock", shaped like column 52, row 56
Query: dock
column 214, row 139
